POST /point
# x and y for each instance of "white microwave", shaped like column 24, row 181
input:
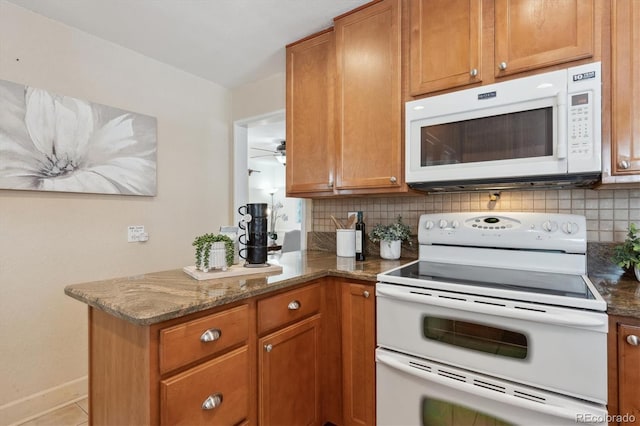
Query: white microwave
column 538, row 131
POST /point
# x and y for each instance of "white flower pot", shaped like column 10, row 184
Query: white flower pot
column 636, row 269
column 390, row 249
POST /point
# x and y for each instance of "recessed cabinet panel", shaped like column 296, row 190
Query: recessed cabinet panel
column 445, row 44
column 629, row 369
column 289, row 375
column 310, row 115
column 625, row 86
column 531, row 34
column 215, row 392
column 369, row 150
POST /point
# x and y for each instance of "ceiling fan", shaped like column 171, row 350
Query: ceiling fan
column 280, row 153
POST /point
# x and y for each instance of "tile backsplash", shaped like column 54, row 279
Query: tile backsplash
column 608, row 211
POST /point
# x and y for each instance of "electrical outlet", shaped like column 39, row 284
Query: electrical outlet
column 135, row 233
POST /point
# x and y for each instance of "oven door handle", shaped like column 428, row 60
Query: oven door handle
column 569, row 320
column 552, row 410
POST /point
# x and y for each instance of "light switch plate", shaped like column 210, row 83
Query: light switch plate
column 135, row 233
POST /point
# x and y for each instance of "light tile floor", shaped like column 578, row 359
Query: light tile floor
column 76, row 414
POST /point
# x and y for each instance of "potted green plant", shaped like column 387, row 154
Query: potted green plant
column 391, row 237
column 203, row 244
column 627, row 254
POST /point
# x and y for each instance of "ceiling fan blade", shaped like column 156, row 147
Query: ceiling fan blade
column 268, row 150
column 260, row 156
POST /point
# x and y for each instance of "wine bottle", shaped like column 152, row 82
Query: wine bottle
column 360, row 234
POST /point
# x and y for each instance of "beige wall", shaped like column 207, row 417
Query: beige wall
column 49, row 240
column 259, row 98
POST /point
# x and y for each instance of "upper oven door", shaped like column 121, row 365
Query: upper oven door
column 559, row 349
column 505, row 130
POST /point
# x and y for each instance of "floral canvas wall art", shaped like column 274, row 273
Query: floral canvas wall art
column 50, row 142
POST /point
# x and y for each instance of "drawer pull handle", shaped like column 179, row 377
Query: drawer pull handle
column 294, row 305
column 212, row 401
column 365, row 294
column 632, row 339
column 211, row 335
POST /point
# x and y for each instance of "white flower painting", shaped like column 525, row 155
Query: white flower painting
column 50, row 142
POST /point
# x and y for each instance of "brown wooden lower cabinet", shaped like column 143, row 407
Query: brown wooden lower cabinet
column 358, row 353
column 289, row 375
column 301, row 356
column 624, row 370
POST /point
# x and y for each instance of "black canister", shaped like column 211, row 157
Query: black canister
column 254, row 223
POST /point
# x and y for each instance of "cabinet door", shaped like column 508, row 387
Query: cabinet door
column 369, row 150
column 445, row 44
column 625, row 86
column 531, row 34
column 628, row 370
column 310, row 114
column 289, row 375
column 358, row 353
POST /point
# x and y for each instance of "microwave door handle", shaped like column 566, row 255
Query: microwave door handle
column 468, row 388
column 502, row 311
column 563, row 118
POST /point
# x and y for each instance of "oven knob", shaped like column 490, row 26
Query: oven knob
column 428, row 224
column 442, row 224
column 455, row 224
column 569, row 228
column 550, row 226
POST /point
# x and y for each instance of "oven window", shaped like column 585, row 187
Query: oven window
column 477, row 337
column 521, row 134
column 440, row 413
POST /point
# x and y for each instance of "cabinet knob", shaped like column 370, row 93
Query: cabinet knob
column 365, row 294
column 211, row 335
column 624, row 164
column 632, row 339
column 473, row 72
column 268, row 347
column 393, row 179
column 502, row 66
column 212, row 401
column 294, row 305
column 330, row 184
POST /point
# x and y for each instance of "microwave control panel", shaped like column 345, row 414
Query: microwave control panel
column 580, row 131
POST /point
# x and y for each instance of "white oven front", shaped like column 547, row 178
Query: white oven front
column 557, row 349
column 414, row 391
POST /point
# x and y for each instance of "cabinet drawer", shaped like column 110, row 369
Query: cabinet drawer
column 193, row 340
column 285, row 308
column 224, row 381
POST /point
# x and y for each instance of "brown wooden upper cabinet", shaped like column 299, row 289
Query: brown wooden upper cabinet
column 621, row 159
column 369, row 108
column 310, row 114
column 344, row 106
column 445, row 44
column 531, row 34
column 453, row 41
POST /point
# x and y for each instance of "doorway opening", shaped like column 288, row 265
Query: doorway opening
column 260, row 177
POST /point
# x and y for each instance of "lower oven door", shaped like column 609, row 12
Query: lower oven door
column 559, row 349
column 414, row 391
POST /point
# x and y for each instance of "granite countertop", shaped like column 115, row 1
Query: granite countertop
column 160, row 296
column 620, row 289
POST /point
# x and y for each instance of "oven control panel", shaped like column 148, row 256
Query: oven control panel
column 541, row 231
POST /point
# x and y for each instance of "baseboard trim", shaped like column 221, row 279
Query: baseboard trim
column 32, row 406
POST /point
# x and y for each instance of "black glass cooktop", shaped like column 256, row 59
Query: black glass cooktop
column 564, row 285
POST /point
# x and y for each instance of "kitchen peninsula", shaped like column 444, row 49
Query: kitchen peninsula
column 151, row 357
column 158, row 341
